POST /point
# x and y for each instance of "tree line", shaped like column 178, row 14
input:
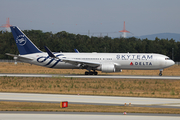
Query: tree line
column 67, row 42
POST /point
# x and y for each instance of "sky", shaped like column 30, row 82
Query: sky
column 96, row 17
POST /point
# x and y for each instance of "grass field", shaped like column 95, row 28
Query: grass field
column 87, row 86
column 31, row 106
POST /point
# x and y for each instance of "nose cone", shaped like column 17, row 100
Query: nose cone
column 170, row 63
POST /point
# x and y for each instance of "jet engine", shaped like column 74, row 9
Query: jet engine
column 108, row 68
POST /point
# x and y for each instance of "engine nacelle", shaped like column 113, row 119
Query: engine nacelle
column 109, row 68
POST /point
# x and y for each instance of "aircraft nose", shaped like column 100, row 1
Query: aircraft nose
column 170, row 63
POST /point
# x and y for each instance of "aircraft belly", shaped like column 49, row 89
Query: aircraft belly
column 59, row 65
column 63, row 65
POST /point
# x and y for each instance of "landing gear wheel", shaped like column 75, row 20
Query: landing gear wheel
column 86, row 73
column 160, row 74
column 91, row 73
column 95, row 73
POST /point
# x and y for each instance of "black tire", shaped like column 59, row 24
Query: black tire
column 95, row 73
column 90, row 73
column 86, row 73
column 160, row 74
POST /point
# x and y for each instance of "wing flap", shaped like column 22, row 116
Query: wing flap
column 79, row 62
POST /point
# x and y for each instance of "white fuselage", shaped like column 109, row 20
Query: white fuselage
column 134, row 61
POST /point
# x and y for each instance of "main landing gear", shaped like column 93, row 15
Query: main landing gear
column 160, row 73
column 91, row 73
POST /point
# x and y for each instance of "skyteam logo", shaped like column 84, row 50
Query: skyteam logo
column 21, row 40
column 134, row 57
column 118, row 57
column 51, row 62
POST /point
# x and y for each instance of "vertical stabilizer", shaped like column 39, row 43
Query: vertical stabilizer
column 24, row 44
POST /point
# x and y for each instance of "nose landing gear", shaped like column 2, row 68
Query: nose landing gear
column 160, row 73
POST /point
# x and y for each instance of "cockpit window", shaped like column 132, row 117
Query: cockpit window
column 167, row 59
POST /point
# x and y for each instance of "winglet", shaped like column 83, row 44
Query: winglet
column 76, row 50
column 49, row 52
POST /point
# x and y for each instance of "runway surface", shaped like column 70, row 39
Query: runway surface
column 87, row 99
column 83, row 116
column 92, row 76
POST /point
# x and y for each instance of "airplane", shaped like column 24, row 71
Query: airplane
column 92, row 62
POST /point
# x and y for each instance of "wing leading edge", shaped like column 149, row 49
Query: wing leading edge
column 79, row 63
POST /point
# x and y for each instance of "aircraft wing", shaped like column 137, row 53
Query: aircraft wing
column 19, row 57
column 81, row 63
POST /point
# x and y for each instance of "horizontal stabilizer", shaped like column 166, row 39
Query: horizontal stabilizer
column 11, row 55
column 19, row 57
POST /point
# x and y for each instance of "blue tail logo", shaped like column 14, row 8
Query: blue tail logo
column 21, row 40
column 24, row 44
